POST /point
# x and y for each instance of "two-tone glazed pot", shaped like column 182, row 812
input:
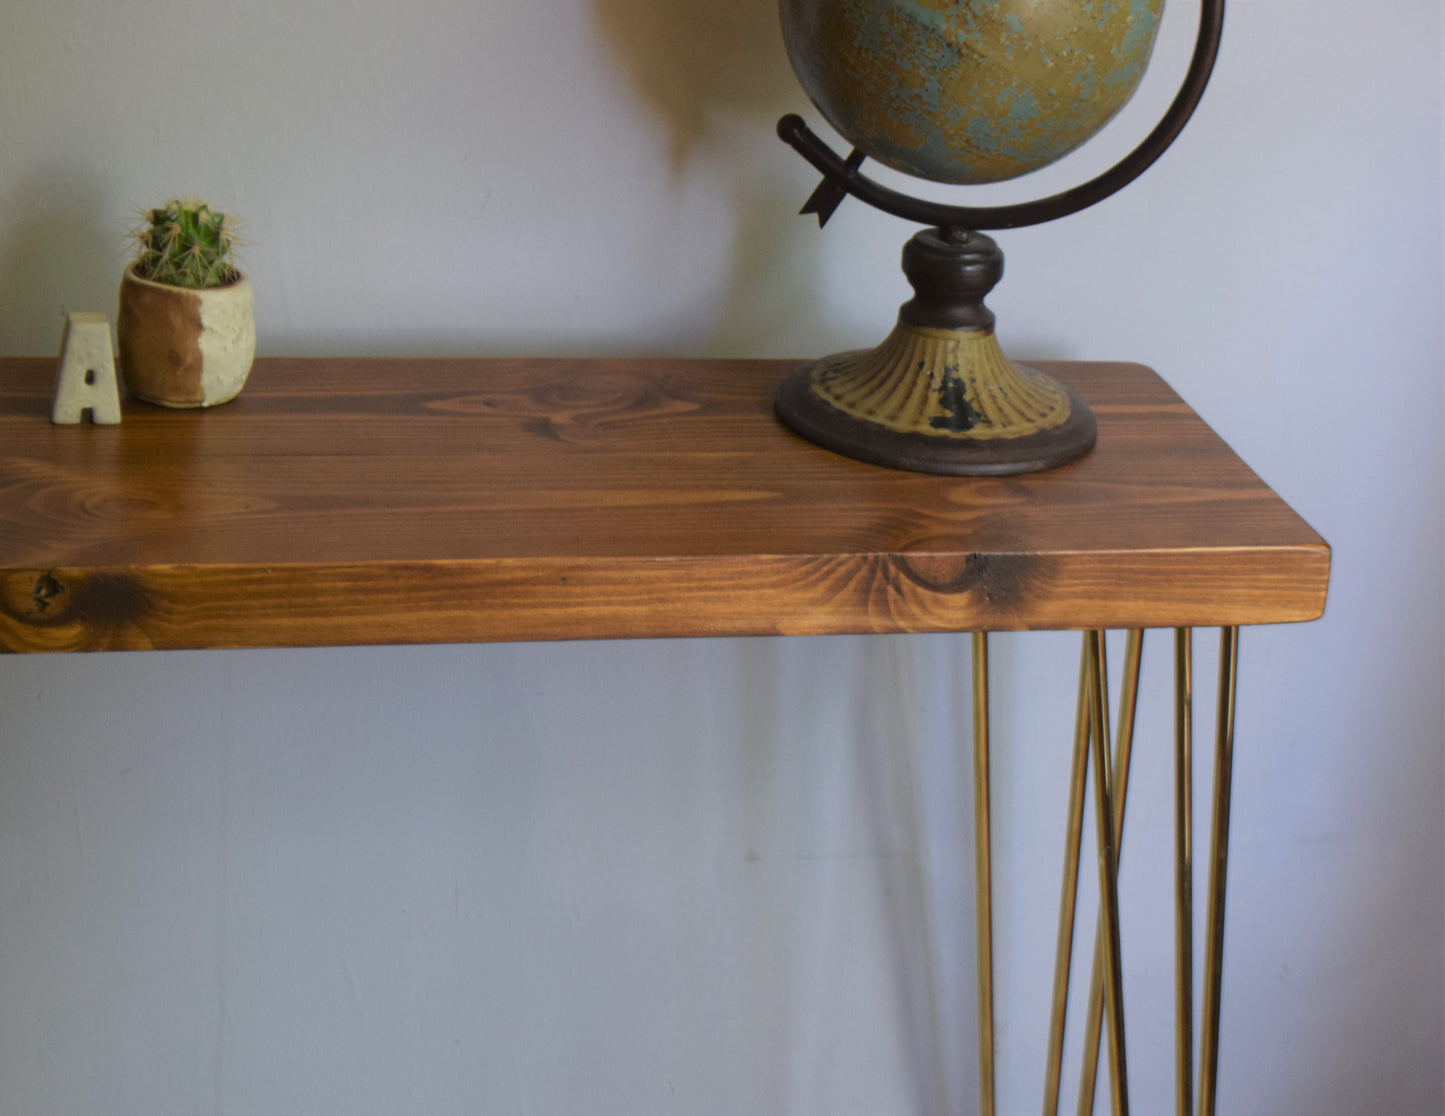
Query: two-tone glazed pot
column 185, row 348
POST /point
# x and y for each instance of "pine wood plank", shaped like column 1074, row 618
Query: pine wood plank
column 345, row 501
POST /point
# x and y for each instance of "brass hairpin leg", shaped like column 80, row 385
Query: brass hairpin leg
column 1184, row 871
column 1218, row 866
column 1108, row 877
column 1069, row 894
column 982, row 872
column 1123, row 753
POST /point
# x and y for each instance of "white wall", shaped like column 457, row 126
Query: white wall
column 731, row 876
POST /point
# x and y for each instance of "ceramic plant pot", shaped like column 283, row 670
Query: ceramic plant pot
column 185, row 348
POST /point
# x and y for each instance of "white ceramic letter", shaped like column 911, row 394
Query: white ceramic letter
column 86, row 378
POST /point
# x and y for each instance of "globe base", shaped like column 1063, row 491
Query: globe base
column 938, row 395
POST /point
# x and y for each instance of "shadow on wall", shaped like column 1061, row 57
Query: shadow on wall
column 716, row 74
column 60, row 257
column 693, row 61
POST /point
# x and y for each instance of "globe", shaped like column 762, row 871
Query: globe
column 969, row 91
column 963, row 92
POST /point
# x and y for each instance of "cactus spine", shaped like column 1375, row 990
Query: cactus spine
column 187, row 244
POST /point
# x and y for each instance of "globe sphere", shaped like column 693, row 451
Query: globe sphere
column 969, row 91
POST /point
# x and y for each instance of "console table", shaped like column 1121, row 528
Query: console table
column 364, row 501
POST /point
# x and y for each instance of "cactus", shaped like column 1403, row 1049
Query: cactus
column 186, row 244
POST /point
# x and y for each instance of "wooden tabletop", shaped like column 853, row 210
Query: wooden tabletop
column 348, row 501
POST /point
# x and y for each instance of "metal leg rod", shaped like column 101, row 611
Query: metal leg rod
column 1108, row 880
column 1123, row 754
column 1069, row 895
column 1184, row 871
column 982, row 873
column 1093, row 1022
column 1218, row 865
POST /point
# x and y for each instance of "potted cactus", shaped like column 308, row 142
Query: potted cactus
column 186, row 323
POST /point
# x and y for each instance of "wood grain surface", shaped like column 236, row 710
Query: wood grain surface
column 346, row 501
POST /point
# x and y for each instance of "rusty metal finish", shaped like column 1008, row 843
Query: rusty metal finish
column 938, row 395
column 973, row 91
column 944, row 382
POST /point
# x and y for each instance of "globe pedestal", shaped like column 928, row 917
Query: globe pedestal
column 938, row 395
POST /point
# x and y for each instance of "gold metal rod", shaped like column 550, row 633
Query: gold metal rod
column 1124, row 743
column 1218, row 868
column 1123, row 755
column 1184, row 871
column 982, row 873
column 1093, row 1022
column 1069, row 893
column 1108, row 881
column 1093, row 1030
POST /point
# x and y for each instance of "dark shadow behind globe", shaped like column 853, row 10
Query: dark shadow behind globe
column 693, row 61
column 715, row 75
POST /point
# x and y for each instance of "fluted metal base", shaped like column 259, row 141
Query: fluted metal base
column 937, row 400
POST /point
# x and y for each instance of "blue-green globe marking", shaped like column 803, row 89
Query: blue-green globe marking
column 969, row 91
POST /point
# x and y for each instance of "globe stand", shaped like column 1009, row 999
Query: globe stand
column 938, row 395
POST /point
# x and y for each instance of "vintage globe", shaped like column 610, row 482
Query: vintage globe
column 969, row 91
column 965, row 92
